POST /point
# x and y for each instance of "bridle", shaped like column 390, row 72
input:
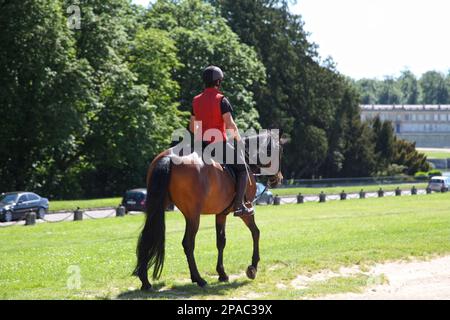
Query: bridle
column 272, row 180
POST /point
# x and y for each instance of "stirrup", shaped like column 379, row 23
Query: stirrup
column 244, row 211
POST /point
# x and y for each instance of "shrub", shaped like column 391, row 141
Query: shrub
column 434, row 173
column 421, row 175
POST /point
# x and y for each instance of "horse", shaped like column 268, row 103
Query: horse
column 196, row 189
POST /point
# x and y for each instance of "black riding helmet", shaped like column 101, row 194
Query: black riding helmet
column 212, row 74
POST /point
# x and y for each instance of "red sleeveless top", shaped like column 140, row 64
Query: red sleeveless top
column 206, row 108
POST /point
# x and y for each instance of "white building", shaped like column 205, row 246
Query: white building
column 427, row 125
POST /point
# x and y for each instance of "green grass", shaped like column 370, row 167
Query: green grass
column 437, row 154
column 295, row 239
column 84, row 204
column 348, row 189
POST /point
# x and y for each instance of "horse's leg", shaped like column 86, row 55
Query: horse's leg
column 221, row 242
column 192, row 225
column 252, row 269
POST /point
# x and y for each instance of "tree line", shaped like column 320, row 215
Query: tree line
column 85, row 110
column 432, row 87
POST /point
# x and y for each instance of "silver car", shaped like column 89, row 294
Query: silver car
column 439, row 184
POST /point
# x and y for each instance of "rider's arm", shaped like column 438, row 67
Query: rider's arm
column 227, row 116
column 231, row 126
column 192, row 124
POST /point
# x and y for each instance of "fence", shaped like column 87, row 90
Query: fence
column 322, row 197
column 338, row 182
column 76, row 215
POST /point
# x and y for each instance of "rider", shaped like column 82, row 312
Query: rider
column 214, row 111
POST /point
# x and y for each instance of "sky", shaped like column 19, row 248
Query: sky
column 378, row 38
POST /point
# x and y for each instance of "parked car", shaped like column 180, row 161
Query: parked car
column 263, row 197
column 135, row 200
column 15, row 205
column 439, row 184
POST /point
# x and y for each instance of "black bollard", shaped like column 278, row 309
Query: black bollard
column 380, row 193
column 78, row 215
column 300, row 199
column 398, row 192
column 322, row 197
column 30, row 219
column 120, row 211
column 414, row 191
column 362, row 194
column 343, row 195
column 276, row 201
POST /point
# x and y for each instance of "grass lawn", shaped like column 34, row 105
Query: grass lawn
column 437, row 154
column 84, row 204
column 39, row 262
column 348, row 189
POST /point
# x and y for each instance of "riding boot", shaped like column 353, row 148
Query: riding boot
column 241, row 186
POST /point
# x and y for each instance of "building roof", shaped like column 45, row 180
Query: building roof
column 402, row 107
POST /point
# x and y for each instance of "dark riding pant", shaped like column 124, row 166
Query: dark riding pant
column 230, row 155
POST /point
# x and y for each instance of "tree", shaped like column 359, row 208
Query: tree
column 433, row 88
column 303, row 95
column 368, row 89
column 388, row 92
column 135, row 110
column 409, row 88
column 203, row 38
column 405, row 154
column 43, row 94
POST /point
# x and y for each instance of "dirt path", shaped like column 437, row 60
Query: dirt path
column 407, row 281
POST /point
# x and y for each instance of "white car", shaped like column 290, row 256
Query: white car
column 439, row 184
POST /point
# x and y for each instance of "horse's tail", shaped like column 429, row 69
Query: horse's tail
column 151, row 244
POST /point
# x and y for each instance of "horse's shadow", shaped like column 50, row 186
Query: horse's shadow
column 183, row 291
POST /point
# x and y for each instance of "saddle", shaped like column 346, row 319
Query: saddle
column 230, row 171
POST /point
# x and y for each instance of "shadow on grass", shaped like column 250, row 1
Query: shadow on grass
column 183, row 291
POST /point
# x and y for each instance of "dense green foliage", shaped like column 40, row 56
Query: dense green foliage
column 86, row 109
column 431, row 88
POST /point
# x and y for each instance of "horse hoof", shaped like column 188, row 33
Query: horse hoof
column 224, row 278
column 251, row 272
column 201, row 283
column 146, row 287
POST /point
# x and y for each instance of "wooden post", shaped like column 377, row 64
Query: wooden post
column 120, row 211
column 322, row 197
column 362, row 194
column 30, row 219
column 78, row 215
column 276, row 201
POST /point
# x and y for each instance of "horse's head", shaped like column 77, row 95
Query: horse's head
column 264, row 155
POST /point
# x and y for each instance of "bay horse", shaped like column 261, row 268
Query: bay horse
column 196, row 189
